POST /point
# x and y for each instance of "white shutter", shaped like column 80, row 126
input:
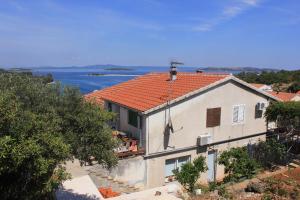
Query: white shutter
column 241, row 113
column 235, row 114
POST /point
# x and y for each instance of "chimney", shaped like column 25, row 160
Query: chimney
column 199, row 71
column 173, row 73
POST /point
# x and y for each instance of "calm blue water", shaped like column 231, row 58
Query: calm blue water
column 78, row 76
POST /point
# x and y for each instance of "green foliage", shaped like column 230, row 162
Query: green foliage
column 190, row 173
column 41, row 126
column 238, row 164
column 294, row 87
column 269, row 153
column 268, row 78
column 221, row 188
column 285, row 113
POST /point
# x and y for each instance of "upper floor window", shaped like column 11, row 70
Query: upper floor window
column 109, row 107
column 213, row 117
column 238, row 114
column 133, row 118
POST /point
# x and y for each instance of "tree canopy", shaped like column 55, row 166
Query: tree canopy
column 284, row 113
column 280, row 77
column 42, row 124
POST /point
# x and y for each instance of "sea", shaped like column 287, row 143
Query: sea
column 91, row 78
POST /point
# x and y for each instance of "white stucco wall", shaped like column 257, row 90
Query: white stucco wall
column 189, row 121
column 189, row 118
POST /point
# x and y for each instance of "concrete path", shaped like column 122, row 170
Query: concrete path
column 80, row 188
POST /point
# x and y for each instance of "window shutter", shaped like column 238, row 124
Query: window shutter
column 241, row 113
column 213, row 117
column 235, row 114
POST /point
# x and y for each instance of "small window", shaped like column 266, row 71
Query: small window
column 133, row 118
column 109, row 107
column 238, row 114
column 213, row 117
column 258, row 111
column 175, row 163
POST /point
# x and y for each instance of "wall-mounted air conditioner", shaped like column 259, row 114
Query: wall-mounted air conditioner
column 203, row 140
column 260, row 106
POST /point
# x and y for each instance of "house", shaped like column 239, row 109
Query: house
column 262, row 87
column 286, row 96
column 282, row 96
column 176, row 116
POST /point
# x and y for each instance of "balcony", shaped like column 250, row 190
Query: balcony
column 129, row 146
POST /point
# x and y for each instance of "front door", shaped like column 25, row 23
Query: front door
column 211, row 164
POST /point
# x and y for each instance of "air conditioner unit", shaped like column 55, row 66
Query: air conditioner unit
column 203, row 140
column 260, row 106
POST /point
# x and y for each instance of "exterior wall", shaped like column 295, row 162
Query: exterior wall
column 296, row 98
column 130, row 170
column 156, row 166
column 189, row 122
column 189, row 119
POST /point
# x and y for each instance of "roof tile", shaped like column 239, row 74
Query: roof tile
column 151, row 90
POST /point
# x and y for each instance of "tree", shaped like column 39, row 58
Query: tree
column 284, row 113
column 41, row 126
column 238, row 164
column 269, row 152
column 190, row 173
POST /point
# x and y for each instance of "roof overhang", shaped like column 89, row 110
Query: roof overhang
column 203, row 89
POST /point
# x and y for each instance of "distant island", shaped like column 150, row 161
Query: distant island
column 118, row 69
column 95, row 74
column 239, row 69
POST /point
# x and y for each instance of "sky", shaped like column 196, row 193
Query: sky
column 219, row 33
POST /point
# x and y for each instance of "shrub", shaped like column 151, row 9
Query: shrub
column 190, row 173
column 238, row 164
column 269, row 152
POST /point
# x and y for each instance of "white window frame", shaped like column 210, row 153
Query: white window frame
column 244, row 114
column 176, row 161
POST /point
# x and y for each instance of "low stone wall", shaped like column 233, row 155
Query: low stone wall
column 130, row 170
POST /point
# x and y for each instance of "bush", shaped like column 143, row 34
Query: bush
column 269, row 153
column 284, row 113
column 238, row 164
column 190, row 173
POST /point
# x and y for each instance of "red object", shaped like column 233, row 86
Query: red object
column 284, row 96
column 107, row 192
column 154, row 89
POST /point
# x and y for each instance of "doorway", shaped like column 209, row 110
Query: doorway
column 211, row 164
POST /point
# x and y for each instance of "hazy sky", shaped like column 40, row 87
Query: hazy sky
column 258, row 33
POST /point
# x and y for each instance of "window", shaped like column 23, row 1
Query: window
column 258, row 111
column 213, row 117
column 238, row 114
column 175, row 163
column 109, row 107
column 133, row 118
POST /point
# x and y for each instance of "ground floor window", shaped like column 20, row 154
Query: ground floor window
column 175, row 163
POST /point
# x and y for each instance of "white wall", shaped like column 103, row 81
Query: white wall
column 189, row 121
column 189, row 118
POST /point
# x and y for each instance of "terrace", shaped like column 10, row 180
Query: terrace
column 129, row 145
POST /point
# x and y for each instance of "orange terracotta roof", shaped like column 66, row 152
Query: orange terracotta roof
column 154, row 89
column 284, row 96
column 257, row 85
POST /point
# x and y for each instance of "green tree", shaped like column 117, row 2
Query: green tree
column 41, row 126
column 190, row 173
column 284, row 113
column 238, row 164
column 269, row 152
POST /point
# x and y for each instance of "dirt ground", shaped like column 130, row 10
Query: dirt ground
column 290, row 174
